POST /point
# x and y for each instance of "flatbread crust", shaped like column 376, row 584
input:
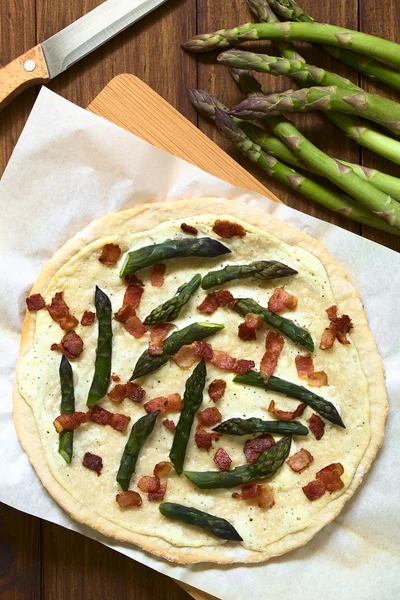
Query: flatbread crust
column 147, row 217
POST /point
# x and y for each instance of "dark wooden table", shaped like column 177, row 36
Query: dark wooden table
column 38, row 559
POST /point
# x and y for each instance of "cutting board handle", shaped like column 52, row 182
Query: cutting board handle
column 26, row 70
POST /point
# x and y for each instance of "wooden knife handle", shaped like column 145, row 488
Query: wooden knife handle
column 26, row 70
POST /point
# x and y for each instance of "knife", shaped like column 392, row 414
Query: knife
column 55, row 55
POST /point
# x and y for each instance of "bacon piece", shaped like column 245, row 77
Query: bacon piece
column 281, row 299
column 265, row 496
column 129, row 499
column 338, row 329
column 246, row 333
column 254, row 321
column 133, row 293
column 185, row 357
column 203, row 439
column 93, row 462
column 110, row 254
column 59, row 312
column 328, row 337
column 318, row 379
column 249, row 491
column 228, row 229
column 221, row 359
column 129, row 390
column 203, row 349
column 285, row 415
column 216, row 389
column 342, row 326
column 118, row 393
column 209, row 416
column 157, row 336
column 255, row 447
column 304, row 366
column 162, row 469
column 247, row 330
column 105, row 417
column 159, row 494
column 115, row 378
column 71, row 345
column 222, row 460
column 317, row 426
column 214, row 300
column 169, row 424
column 35, row 302
column 132, row 324
column 173, row 403
column 87, row 318
column 148, row 484
column 71, row 421
column 330, row 477
column 332, row 313
column 300, row 461
column 157, row 275
column 314, row 490
column 273, row 347
column 189, row 229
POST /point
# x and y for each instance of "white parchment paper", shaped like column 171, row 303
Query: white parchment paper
column 70, row 167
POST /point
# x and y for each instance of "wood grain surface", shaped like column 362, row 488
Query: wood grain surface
column 39, row 560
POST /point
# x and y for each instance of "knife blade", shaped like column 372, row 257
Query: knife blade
column 55, row 55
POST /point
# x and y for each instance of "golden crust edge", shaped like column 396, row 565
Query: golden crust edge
column 146, row 217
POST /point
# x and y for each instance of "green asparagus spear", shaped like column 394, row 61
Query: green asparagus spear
column 288, row 10
column 66, row 438
column 139, row 432
column 265, row 466
column 192, row 399
column 237, row 426
column 275, row 384
column 102, row 368
column 297, row 334
column 331, row 35
column 260, row 269
column 169, row 310
column 150, row 255
column 196, row 331
column 387, row 183
column 187, row 514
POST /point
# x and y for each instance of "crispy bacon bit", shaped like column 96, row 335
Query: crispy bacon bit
column 246, row 333
column 273, row 347
column 216, row 389
column 59, row 312
column 189, row 229
column 105, row 417
column 110, row 254
column 185, row 357
column 162, row 469
column 209, row 416
column 148, row 484
column 115, row 378
column 203, row 439
column 328, row 337
column 332, row 313
column 249, row 491
column 214, row 300
column 157, row 275
column 281, row 299
column 118, row 393
column 221, row 359
column 71, row 345
column 169, row 424
column 222, row 460
column 343, row 325
column 129, row 390
column 87, row 318
column 255, row 447
column 317, row 426
column 35, row 302
column 173, row 403
column 314, row 490
column 203, row 349
column 71, row 421
column 133, row 293
column 300, row 461
column 265, row 496
column 304, row 366
column 124, row 313
column 330, row 477
column 132, row 324
column 228, row 229
column 93, row 462
column 157, row 336
column 159, row 494
column 254, row 321
column 318, row 379
column 338, row 329
column 129, row 499
column 285, row 415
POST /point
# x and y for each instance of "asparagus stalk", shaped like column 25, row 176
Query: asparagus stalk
column 246, row 80
column 265, row 466
column 331, row 35
column 192, row 399
column 275, row 384
column 260, row 269
column 297, row 334
column 139, row 432
column 151, row 255
column 313, row 190
column 187, row 514
column 102, row 368
column 196, row 331
column 288, row 10
column 387, row 183
column 331, row 98
column 170, row 309
column 237, row 426
column 66, row 437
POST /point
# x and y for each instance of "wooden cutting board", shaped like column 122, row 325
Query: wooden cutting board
column 133, row 105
